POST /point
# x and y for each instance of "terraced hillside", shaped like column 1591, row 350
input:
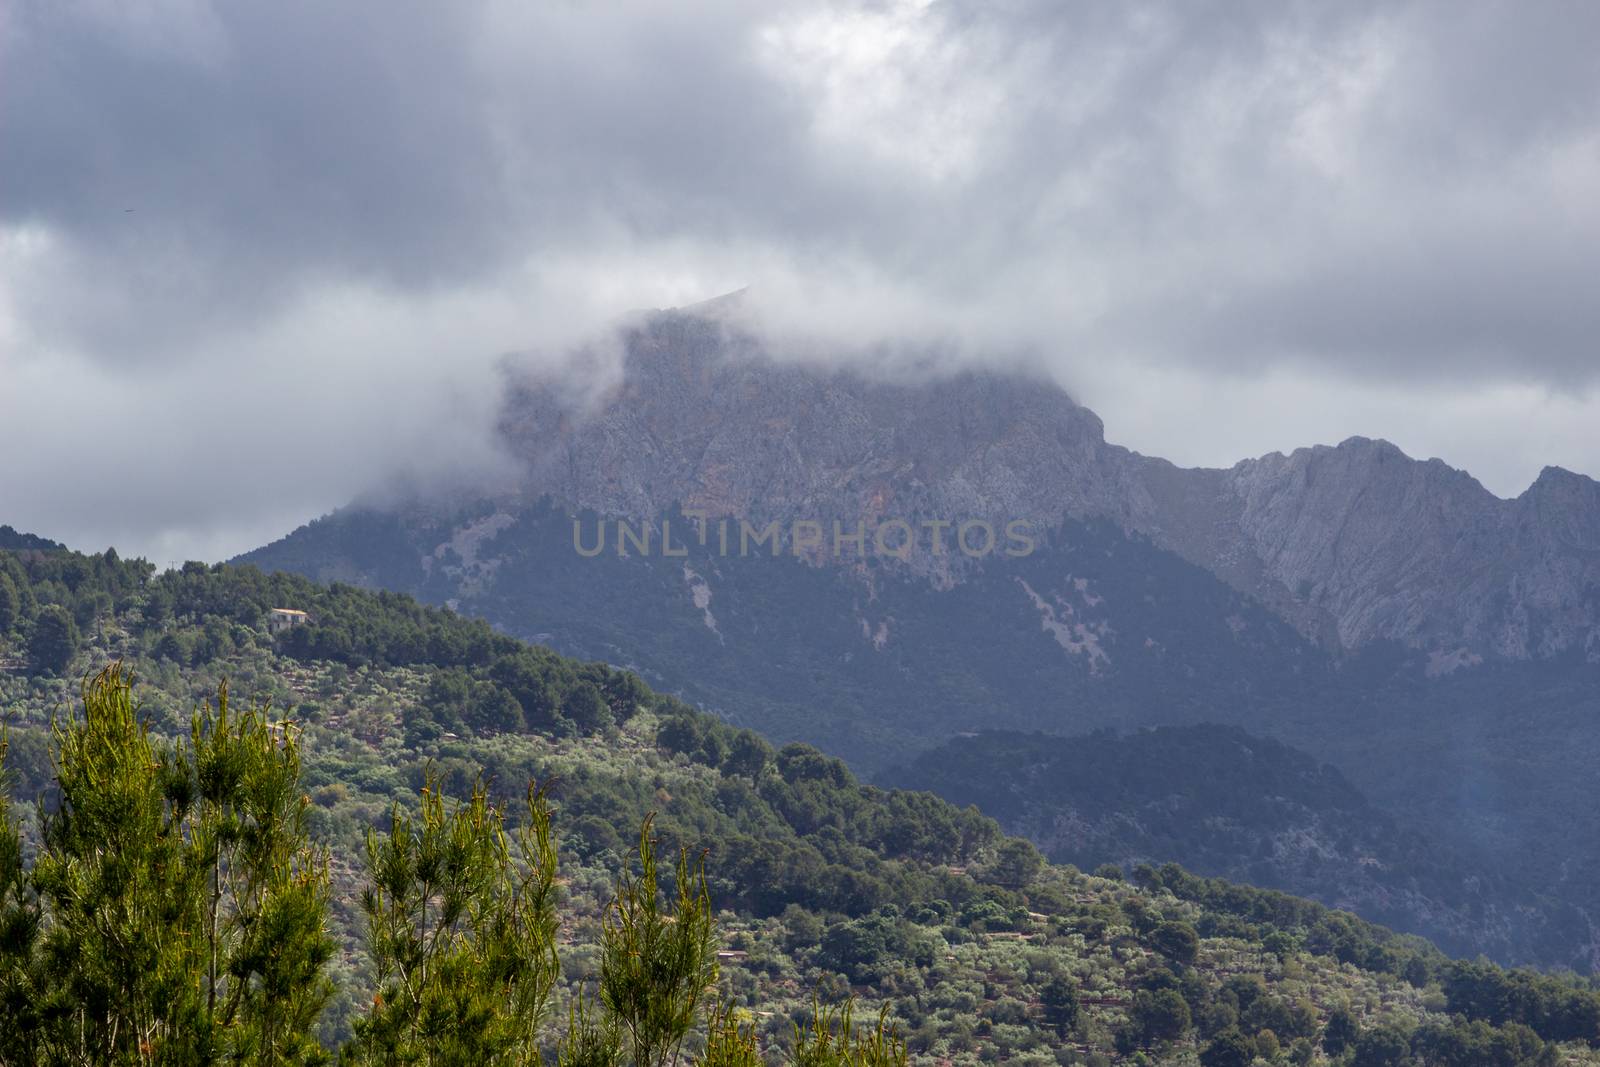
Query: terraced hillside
column 979, row 951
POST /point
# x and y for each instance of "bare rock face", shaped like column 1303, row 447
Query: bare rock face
column 1353, row 544
column 702, row 420
column 1391, row 548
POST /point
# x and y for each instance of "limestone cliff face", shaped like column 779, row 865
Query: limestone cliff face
column 1353, row 544
column 1388, row 547
column 701, row 419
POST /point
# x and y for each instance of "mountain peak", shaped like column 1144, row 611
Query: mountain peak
column 1560, row 478
column 1353, row 544
column 733, row 300
column 1375, row 446
column 705, row 417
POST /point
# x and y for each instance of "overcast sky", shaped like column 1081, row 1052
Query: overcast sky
column 256, row 258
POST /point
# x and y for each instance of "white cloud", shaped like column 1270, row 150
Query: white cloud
column 1503, row 434
column 1230, row 229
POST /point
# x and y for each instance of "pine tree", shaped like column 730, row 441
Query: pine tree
column 730, row 1042
column 462, row 932
column 10, row 604
column 591, row 1038
column 1061, row 1007
column 657, row 964
column 19, row 938
column 832, row 1040
column 55, row 639
column 183, row 906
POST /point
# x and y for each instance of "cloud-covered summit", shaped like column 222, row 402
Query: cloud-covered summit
column 258, row 257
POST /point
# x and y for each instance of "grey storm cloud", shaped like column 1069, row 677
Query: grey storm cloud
column 219, row 217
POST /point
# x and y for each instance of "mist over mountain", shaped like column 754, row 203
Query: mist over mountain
column 1114, row 578
column 1387, row 615
column 1352, row 544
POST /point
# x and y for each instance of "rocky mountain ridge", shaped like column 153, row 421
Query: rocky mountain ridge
column 1157, row 595
column 1353, row 544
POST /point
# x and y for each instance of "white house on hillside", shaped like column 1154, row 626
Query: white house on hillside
column 281, row 619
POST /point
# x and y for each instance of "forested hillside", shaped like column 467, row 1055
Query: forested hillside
column 976, row 949
column 1095, row 629
column 14, row 540
column 1224, row 802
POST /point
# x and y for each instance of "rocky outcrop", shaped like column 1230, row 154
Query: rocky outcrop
column 1353, row 544
column 1386, row 547
column 704, row 421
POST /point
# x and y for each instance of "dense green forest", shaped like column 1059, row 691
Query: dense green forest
column 1222, row 801
column 819, row 891
column 12, row 540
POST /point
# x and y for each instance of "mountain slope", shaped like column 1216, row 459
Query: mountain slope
column 1330, row 598
column 972, row 949
column 1222, row 802
column 1093, row 628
